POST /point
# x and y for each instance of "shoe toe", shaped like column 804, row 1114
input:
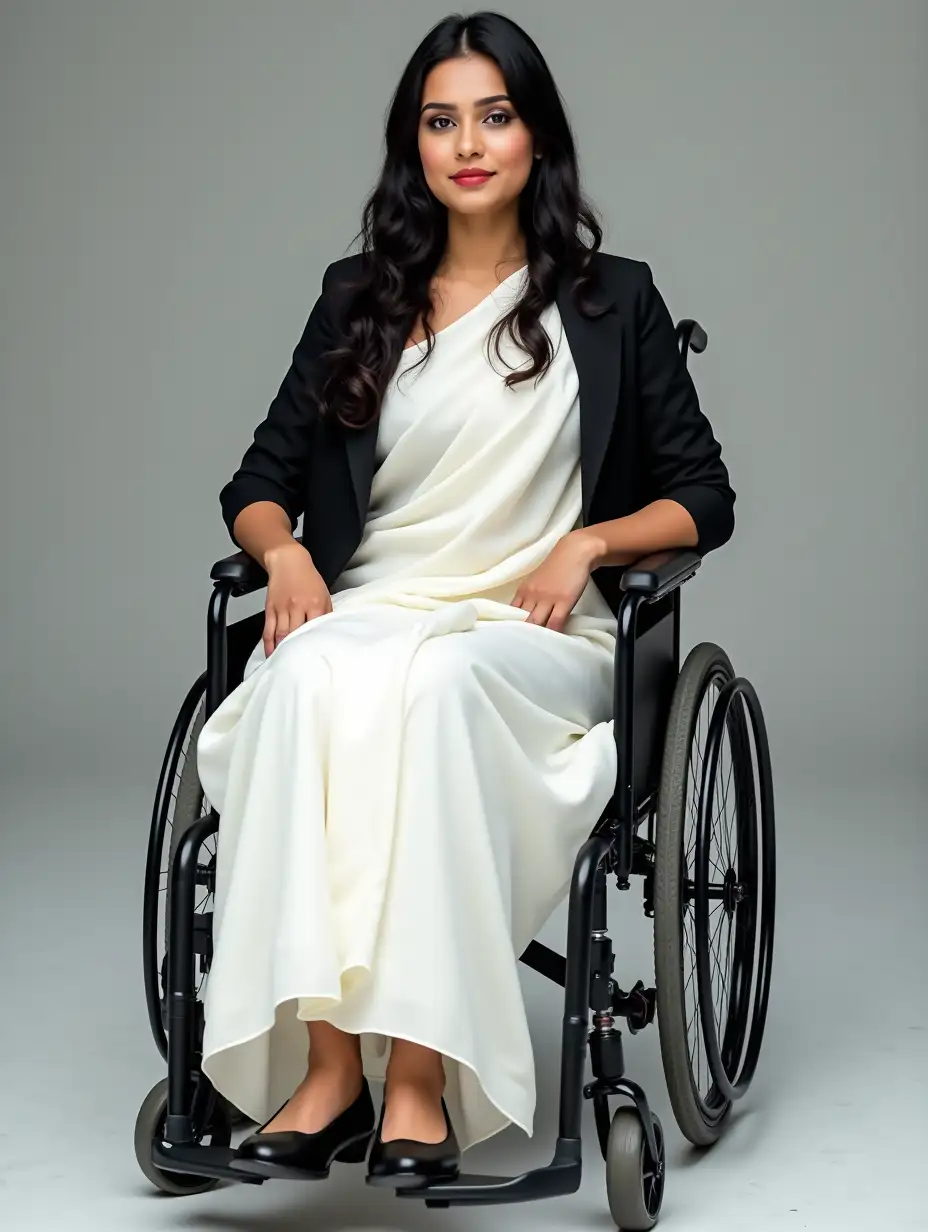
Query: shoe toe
column 403, row 1161
column 269, row 1148
column 311, row 1154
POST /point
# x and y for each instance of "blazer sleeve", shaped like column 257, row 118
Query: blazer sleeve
column 684, row 458
column 275, row 464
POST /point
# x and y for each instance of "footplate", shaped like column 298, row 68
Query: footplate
column 200, row 1161
column 561, row 1176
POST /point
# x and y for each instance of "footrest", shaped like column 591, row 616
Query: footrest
column 200, row 1161
column 561, row 1176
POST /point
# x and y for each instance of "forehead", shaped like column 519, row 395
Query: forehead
column 463, row 80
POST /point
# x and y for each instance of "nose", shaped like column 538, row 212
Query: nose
column 469, row 142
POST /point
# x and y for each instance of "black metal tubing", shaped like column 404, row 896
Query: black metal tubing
column 181, row 991
column 734, row 690
column 577, row 990
column 623, row 706
column 150, row 970
column 217, row 654
column 691, row 337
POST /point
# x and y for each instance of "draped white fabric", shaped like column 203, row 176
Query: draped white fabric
column 405, row 783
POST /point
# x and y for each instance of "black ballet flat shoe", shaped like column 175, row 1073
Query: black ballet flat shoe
column 406, row 1164
column 292, row 1155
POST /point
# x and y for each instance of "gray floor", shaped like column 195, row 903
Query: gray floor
column 833, row 1134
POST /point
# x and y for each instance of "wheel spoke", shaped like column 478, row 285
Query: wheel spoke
column 691, row 948
column 731, row 842
column 722, row 987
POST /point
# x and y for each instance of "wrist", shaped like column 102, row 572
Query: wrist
column 590, row 545
column 279, row 551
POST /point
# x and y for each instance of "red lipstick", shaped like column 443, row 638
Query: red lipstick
column 470, row 177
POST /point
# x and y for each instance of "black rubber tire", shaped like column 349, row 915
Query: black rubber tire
column 149, row 1125
column 634, row 1200
column 705, row 664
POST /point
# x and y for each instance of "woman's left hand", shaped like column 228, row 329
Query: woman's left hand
column 550, row 592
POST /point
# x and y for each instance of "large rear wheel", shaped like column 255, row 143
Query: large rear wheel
column 714, row 892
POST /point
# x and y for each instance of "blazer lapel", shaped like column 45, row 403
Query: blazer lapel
column 361, row 448
column 595, row 346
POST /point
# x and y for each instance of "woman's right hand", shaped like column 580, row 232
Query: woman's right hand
column 296, row 593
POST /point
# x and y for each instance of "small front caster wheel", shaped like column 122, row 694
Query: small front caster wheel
column 149, row 1126
column 634, row 1181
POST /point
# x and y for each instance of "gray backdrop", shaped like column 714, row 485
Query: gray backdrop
column 174, row 177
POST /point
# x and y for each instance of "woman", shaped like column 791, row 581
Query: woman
column 482, row 411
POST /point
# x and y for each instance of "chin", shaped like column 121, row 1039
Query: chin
column 474, row 208
column 478, row 203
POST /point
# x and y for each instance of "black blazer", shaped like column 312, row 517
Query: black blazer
column 642, row 433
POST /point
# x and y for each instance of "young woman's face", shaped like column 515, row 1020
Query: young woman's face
column 467, row 122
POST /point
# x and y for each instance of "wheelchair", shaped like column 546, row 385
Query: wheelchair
column 692, row 815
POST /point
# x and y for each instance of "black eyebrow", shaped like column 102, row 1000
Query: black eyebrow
column 481, row 102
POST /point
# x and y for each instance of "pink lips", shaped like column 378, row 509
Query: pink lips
column 471, row 176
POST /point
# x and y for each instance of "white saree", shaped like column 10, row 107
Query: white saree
column 405, row 782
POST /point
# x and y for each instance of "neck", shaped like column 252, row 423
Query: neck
column 480, row 248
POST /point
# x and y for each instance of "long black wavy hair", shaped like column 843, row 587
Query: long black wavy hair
column 405, row 227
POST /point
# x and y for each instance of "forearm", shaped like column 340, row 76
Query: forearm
column 263, row 528
column 662, row 524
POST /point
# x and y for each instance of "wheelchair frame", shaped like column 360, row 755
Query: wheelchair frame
column 647, row 666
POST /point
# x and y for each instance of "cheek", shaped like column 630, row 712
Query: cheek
column 512, row 148
column 433, row 158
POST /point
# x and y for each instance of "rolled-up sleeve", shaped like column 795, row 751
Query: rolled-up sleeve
column 683, row 455
column 274, row 465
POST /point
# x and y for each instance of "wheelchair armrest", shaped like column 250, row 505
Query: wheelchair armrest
column 242, row 571
column 661, row 572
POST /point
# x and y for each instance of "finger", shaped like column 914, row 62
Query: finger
column 283, row 626
column 270, row 625
column 558, row 618
column 542, row 612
